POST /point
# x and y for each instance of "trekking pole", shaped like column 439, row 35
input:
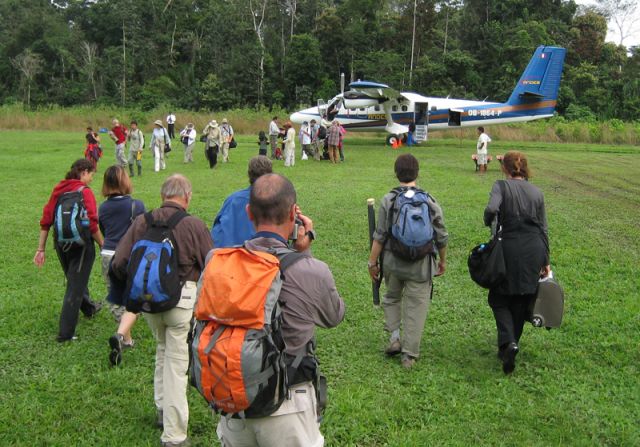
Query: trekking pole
column 375, row 284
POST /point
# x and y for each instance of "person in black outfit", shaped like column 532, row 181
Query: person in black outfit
column 523, row 218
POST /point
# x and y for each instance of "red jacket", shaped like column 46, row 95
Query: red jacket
column 66, row 186
column 120, row 133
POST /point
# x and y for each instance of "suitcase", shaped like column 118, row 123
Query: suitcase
column 548, row 306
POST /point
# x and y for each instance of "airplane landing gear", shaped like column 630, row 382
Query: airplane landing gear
column 392, row 140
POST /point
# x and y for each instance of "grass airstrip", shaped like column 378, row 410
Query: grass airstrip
column 577, row 385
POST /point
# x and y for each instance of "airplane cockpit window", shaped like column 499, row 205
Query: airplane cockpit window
column 376, row 108
column 394, row 108
column 404, row 108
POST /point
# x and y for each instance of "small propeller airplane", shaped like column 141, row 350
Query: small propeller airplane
column 371, row 106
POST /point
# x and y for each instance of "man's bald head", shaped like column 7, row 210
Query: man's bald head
column 271, row 199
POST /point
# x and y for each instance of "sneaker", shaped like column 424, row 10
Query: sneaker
column 394, row 348
column 64, row 340
column 509, row 357
column 115, row 356
column 408, row 361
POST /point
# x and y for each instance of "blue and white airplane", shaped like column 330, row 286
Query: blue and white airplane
column 370, row 106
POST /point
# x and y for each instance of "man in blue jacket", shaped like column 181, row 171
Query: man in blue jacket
column 232, row 225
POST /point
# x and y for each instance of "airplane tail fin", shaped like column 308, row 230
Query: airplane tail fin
column 541, row 79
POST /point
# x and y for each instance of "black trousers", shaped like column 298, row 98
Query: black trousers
column 510, row 312
column 172, row 130
column 211, row 152
column 77, row 270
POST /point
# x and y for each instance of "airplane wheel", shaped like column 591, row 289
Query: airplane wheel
column 392, row 140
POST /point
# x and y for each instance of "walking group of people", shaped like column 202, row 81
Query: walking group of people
column 266, row 218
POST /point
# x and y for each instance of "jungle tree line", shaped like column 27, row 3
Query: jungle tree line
column 218, row 54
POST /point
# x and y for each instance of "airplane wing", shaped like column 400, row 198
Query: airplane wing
column 374, row 90
column 366, row 93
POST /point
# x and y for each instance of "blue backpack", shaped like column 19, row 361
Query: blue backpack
column 71, row 221
column 153, row 284
column 410, row 231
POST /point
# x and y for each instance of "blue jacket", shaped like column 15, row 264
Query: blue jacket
column 232, row 225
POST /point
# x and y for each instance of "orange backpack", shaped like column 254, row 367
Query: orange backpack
column 237, row 359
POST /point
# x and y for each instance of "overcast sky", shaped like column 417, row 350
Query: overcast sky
column 612, row 34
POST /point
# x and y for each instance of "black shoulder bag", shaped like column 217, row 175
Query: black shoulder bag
column 486, row 261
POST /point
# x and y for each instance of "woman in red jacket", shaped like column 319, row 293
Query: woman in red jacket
column 76, row 260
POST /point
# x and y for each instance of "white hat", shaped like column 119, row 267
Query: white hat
column 224, row 121
column 158, row 123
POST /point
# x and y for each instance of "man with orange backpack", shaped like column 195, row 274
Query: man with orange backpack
column 235, row 320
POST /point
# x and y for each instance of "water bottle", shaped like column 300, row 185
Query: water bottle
column 84, row 219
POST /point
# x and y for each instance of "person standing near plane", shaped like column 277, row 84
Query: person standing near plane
column 482, row 149
column 274, row 132
column 333, row 135
column 289, row 145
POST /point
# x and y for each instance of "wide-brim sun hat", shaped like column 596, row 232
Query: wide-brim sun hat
column 224, row 121
column 158, row 123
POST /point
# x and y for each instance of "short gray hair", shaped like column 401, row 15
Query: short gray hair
column 176, row 185
column 258, row 166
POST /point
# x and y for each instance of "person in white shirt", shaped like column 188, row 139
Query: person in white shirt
column 188, row 138
column 305, row 140
column 159, row 140
column 274, row 132
column 171, row 125
column 482, row 148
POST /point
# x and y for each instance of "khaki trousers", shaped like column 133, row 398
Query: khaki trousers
column 405, row 305
column 170, row 329
column 225, row 152
column 120, row 158
column 295, row 424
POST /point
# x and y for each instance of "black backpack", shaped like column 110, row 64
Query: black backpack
column 153, row 283
column 71, row 221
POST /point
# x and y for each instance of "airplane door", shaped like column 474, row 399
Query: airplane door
column 455, row 118
column 421, row 113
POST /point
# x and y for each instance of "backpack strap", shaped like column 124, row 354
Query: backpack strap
column 176, row 218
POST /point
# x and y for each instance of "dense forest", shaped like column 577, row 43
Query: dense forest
column 220, row 54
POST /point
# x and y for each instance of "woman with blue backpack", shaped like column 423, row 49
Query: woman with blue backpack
column 116, row 214
column 72, row 211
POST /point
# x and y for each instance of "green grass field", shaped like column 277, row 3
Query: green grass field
column 579, row 385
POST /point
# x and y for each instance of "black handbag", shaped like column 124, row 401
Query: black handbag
column 232, row 143
column 167, row 148
column 486, row 261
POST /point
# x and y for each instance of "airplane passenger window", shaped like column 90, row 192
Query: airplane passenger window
column 394, row 108
column 376, row 108
column 404, row 108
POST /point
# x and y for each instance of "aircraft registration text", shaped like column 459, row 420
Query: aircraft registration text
column 484, row 112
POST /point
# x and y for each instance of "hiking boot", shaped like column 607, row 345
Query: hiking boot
column 394, row 348
column 509, row 357
column 407, row 361
column 115, row 356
